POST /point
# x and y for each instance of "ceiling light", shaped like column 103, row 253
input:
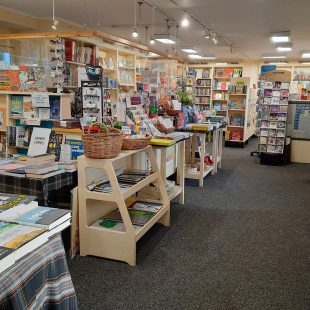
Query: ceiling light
column 273, row 57
column 284, row 48
column 221, row 63
column 278, row 63
column 55, row 21
column 165, row 38
column 151, row 54
column 189, row 50
column 280, row 37
column 214, row 39
column 305, row 55
column 152, row 41
column 185, row 21
column 195, row 56
column 304, row 62
column 135, row 33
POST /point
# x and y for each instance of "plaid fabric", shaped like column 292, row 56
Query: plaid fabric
column 40, row 280
column 40, row 188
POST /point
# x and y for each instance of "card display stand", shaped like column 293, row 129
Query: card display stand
column 93, row 206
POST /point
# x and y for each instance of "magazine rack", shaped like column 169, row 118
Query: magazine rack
column 93, row 206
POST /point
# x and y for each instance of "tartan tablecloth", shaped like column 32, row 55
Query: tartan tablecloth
column 40, row 280
column 40, row 188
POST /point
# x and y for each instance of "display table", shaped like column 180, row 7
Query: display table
column 40, row 188
column 39, row 280
column 193, row 144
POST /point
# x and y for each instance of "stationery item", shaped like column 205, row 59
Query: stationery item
column 39, row 141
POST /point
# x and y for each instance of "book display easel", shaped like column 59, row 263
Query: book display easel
column 110, row 243
column 272, row 111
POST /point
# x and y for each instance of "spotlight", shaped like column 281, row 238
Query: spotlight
column 207, row 35
column 185, row 21
column 55, row 24
column 214, row 39
column 152, row 41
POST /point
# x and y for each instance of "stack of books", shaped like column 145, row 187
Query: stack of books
column 24, row 226
column 126, row 179
column 140, row 213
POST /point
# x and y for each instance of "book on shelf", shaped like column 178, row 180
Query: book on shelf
column 54, row 145
column 16, row 106
column 113, row 225
column 35, row 216
column 28, row 110
column 44, row 113
column 54, row 107
column 137, row 217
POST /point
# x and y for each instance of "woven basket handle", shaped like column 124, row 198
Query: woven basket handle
column 97, row 124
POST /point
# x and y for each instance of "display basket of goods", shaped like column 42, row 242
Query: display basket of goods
column 101, row 141
column 136, row 143
column 170, row 112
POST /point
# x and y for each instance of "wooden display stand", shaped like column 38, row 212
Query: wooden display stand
column 217, row 147
column 93, row 206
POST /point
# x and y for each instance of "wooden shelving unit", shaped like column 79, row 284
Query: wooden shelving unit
column 93, row 206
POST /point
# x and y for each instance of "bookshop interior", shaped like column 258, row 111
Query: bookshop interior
column 154, row 154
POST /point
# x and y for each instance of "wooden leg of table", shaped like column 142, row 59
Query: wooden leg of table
column 202, row 157
column 220, row 151
column 163, row 163
column 214, row 152
column 181, row 170
column 193, row 148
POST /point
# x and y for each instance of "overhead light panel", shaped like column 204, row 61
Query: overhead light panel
column 280, row 37
column 189, row 50
column 278, row 63
column 305, row 54
column 165, row 38
column 195, row 56
column 185, row 21
column 273, row 57
column 285, row 47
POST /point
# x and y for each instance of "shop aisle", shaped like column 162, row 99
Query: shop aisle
column 241, row 242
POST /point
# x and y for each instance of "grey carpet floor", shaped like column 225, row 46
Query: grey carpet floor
column 241, row 242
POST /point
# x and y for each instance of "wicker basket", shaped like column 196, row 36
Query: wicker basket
column 136, row 143
column 172, row 112
column 102, row 145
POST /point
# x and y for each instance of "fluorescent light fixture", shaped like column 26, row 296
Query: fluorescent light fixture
column 273, row 57
column 278, row 63
column 221, row 63
column 304, row 62
column 280, row 37
column 151, row 54
column 195, row 56
column 305, row 54
column 189, row 50
column 284, row 48
column 185, row 21
column 165, row 38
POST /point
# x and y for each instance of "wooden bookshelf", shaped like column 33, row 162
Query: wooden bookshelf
column 93, row 206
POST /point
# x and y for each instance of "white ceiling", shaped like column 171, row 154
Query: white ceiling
column 247, row 23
